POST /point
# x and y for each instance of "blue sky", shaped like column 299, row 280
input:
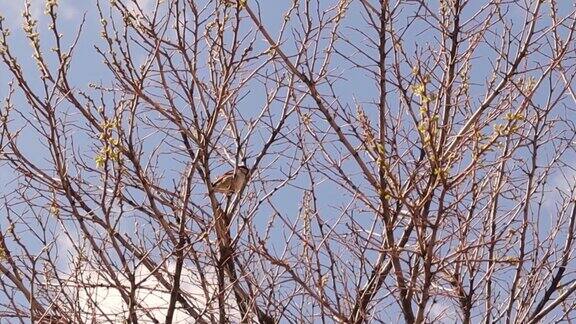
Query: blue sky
column 357, row 87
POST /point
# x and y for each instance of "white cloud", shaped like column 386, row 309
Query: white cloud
column 69, row 12
column 442, row 312
column 100, row 301
column 145, row 5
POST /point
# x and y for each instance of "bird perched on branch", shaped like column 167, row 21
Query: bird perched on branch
column 232, row 181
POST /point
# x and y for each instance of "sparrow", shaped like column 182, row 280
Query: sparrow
column 232, row 181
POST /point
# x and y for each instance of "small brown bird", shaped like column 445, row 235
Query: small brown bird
column 232, row 181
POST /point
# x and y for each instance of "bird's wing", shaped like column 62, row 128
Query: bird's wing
column 224, row 183
column 223, row 177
